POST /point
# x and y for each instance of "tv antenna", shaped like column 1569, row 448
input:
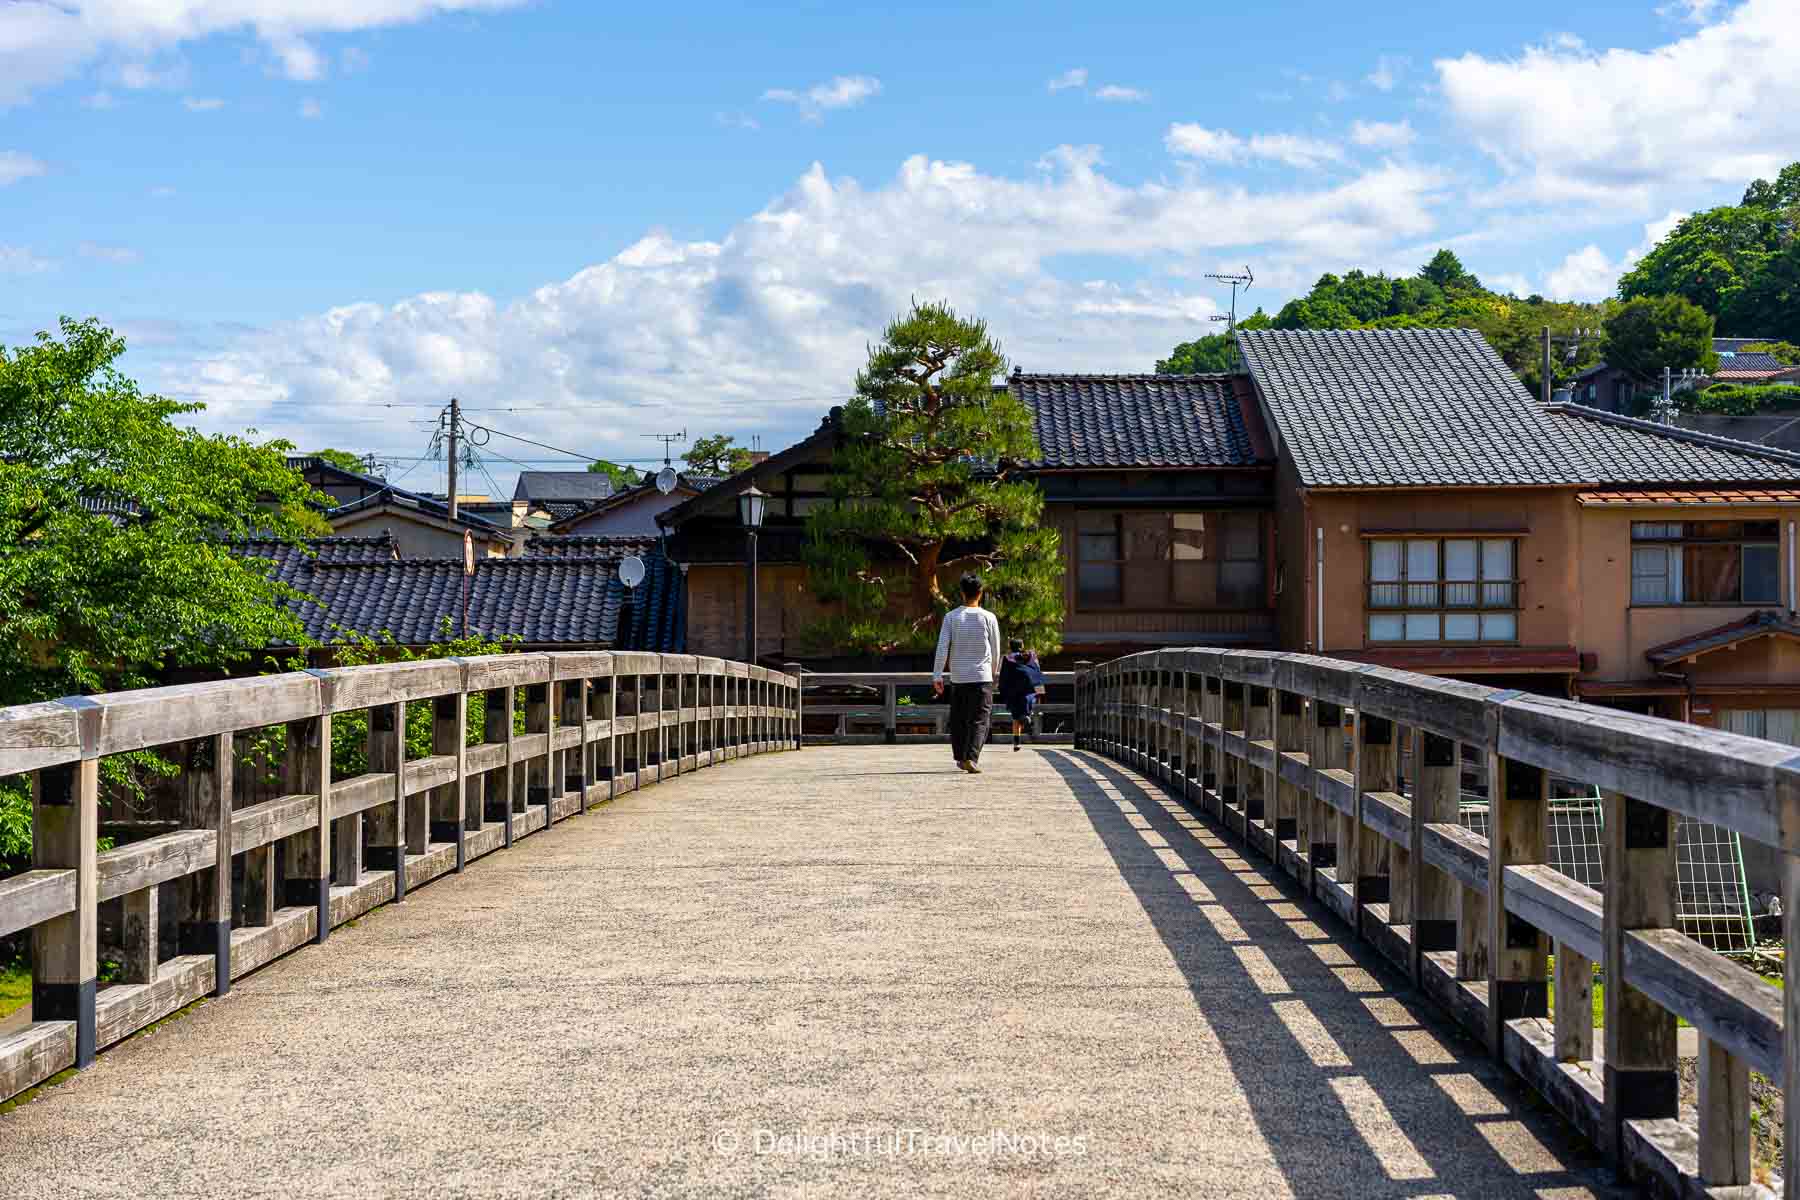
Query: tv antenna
column 1236, row 280
column 668, row 439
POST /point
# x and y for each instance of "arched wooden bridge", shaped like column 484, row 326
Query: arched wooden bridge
column 1120, row 967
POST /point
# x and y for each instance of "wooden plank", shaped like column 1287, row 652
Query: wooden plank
column 1388, row 814
column 1724, row 1104
column 122, row 1010
column 1447, row 707
column 580, row 664
column 346, row 689
column 531, row 745
column 287, row 929
column 361, row 792
column 155, row 860
column 38, row 735
column 1568, row 911
column 272, row 820
column 489, row 671
column 565, row 737
column 1744, row 784
column 1457, row 852
column 159, row 716
column 1729, row 1004
column 34, row 1054
column 32, row 897
column 1338, row 789
column 488, row 756
column 423, row 774
column 1641, row 1051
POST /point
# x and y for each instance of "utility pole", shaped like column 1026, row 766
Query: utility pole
column 1573, row 342
column 1546, row 366
column 455, row 429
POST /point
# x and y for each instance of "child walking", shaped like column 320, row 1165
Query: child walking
column 1021, row 683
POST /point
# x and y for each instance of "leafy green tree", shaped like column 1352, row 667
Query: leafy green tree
column 1768, row 305
column 1446, row 271
column 1785, row 353
column 1783, row 192
column 1209, row 355
column 622, row 477
column 1732, row 400
column 1706, row 259
column 716, row 455
column 1652, row 332
column 927, row 487
column 341, row 459
column 114, row 524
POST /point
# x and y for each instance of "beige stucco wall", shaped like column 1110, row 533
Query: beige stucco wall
column 1619, row 633
column 1545, row 556
column 636, row 517
column 416, row 539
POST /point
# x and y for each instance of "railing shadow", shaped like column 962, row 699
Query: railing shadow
column 1355, row 1085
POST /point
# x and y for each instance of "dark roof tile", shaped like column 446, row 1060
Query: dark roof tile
column 1137, row 420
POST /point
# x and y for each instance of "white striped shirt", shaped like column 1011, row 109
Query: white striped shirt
column 970, row 642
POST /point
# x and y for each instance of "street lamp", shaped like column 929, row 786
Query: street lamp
column 751, row 502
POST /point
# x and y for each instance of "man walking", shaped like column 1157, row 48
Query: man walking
column 969, row 643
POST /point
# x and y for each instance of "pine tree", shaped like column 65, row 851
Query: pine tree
column 926, row 488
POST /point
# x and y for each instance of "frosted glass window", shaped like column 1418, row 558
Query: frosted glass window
column 1459, row 560
column 1421, row 627
column 1461, row 627
column 1499, row 627
column 1384, row 561
column 1421, row 560
column 1386, row 627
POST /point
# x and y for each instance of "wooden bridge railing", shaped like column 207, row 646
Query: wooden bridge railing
column 847, row 708
column 1347, row 776
column 247, row 883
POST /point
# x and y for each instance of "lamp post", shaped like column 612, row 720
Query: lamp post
column 751, row 502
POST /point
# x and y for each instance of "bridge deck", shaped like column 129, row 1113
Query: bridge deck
column 852, row 940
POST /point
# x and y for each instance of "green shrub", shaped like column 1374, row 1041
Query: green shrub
column 1739, row 400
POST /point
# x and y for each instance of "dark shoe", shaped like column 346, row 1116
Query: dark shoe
column 972, row 767
column 1016, row 746
column 966, row 765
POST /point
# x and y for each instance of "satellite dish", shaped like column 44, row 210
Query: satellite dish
column 666, row 480
column 631, row 571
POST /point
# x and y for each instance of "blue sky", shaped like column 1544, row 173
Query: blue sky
column 323, row 217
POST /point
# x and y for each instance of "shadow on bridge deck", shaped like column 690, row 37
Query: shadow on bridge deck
column 851, row 972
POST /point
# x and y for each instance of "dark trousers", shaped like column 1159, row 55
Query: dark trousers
column 971, row 708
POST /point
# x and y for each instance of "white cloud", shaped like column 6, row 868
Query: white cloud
column 1075, row 77
column 16, row 165
column 1383, row 135
column 1564, row 122
column 1113, row 91
column 842, row 91
column 99, row 100
column 1588, row 274
column 311, row 109
column 121, row 255
column 139, row 75
column 18, row 260
column 1387, row 72
column 785, row 303
column 202, row 103
column 1218, row 145
column 43, row 42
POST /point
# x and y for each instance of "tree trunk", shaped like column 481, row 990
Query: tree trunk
column 926, row 592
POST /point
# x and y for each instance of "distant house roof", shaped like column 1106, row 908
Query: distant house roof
column 1748, row 366
column 541, row 600
column 575, row 545
column 305, row 463
column 577, row 487
column 291, row 561
column 415, row 504
column 1145, row 421
column 1439, row 408
column 1757, row 625
column 686, row 486
column 721, row 492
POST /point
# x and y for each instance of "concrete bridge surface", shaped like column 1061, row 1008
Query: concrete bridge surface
column 852, row 972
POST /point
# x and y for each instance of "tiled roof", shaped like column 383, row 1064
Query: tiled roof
column 1757, row 625
column 1759, row 361
column 607, row 548
column 1699, row 497
column 291, row 561
column 542, row 600
column 412, row 501
column 1139, row 421
column 582, row 487
column 1438, row 408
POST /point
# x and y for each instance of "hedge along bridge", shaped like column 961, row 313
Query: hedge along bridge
column 596, row 726
column 1258, row 741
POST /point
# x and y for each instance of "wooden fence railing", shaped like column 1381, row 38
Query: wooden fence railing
column 847, row 708
column 1347, row 776
column 248, row 883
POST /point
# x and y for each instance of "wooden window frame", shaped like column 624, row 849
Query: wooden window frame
column 1439, row 610
column 1264, row 540
column 1675, row 544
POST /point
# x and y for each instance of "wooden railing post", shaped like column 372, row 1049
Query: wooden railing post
column 65, row 950
column 1518, row 967
column 1231, row 768
column 1790, row 1028
column 537, row 768
column 306, row 767
column 1436, row 800
column 797, row 702
column 1289, row 724
column 1374, row 771
column 497, row 726
column 204, row 919
column 1640, row 1074
column 449, row 735
column 386, row 822
column 1327, row 753
column 1259, row 726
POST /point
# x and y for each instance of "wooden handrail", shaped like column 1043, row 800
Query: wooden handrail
column 1257, row 740
column 596, row 725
